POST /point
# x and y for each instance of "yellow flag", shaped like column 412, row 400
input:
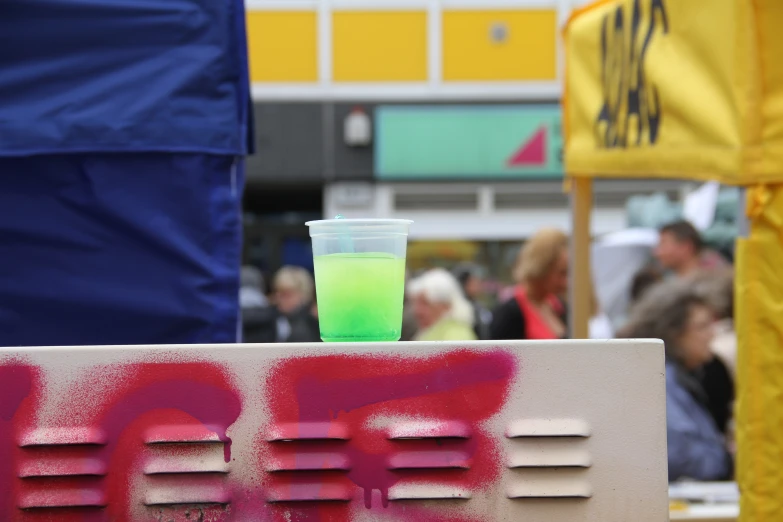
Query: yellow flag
column 672, row 88
column 694, row 89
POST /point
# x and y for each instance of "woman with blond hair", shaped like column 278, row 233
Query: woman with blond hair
column 442, row 312
column 536, row 310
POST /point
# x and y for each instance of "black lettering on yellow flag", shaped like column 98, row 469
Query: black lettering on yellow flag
column 631, row 111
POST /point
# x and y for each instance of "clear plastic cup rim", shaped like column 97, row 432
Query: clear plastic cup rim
column 359, row 222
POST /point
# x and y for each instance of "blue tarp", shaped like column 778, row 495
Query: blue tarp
column 122, row 126
column 122, row 75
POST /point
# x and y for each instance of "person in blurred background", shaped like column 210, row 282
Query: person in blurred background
column 442, row 312
column 643, row 280
column 718, row 287
column 677, row 312
column 294, row 294
column 536, row 311
column 261, row 323
column 409, row 326
column 716, row 377
column 470, row 278
column 679, row 248
column 724, row 344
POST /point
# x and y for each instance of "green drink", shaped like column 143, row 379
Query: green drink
column 360, row 296
column 359, row 277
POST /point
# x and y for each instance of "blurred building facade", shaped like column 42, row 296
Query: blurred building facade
column 461, row 98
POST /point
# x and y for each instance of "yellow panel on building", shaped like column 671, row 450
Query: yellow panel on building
column 499, row 45
column 379, row 46
column 283, row 46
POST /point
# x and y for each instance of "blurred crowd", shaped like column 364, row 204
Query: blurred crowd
column 683, row 296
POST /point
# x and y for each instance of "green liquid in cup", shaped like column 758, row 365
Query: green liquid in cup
column 360, row 296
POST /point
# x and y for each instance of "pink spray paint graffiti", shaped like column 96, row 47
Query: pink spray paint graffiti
column 145, row 395
column 17, row 382
column 324, row 395
column 339, row 434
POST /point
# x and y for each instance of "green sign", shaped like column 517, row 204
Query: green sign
column 496, row 141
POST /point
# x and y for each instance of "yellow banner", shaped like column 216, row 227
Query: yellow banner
column 759, row 416
column 677, row 89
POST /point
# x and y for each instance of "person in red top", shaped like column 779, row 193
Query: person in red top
column 536, row 310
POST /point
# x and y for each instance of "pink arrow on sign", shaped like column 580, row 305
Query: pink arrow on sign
column 532, row 152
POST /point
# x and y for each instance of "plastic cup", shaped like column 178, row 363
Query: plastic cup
column 359, row 278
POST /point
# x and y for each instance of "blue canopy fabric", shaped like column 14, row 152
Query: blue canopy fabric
column 123, row 75
column 122, row 129
column 91, row 254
